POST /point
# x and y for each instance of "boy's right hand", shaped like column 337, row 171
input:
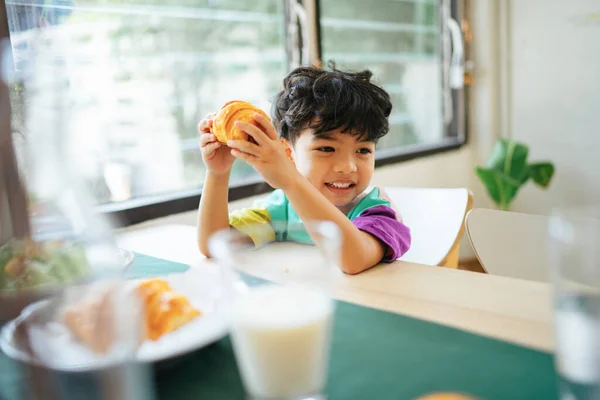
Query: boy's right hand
column 216, row 156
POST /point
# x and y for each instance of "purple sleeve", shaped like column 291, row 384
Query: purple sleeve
column 381, row 222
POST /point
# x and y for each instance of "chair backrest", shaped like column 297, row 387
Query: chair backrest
column 509, row 244
column 436, row 220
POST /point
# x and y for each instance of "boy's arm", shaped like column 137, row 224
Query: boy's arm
column 360, row 251
column 213, row 213
column 213, row 209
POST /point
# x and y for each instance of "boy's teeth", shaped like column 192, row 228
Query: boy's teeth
column 340, row 185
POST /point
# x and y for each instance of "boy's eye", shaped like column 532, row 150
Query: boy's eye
column 326, row 149
column 364, row 150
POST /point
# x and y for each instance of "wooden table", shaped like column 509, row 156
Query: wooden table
column 508, row 309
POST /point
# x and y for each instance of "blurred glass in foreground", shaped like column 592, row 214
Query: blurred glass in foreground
column 281, row 330
column 574, row 239
column 74, row 325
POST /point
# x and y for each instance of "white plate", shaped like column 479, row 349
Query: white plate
column 202, row 286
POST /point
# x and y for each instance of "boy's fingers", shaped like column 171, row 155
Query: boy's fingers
column 245, row 146
column 266, row 125
column 250, row 159
column 207, row 138
column 257, row 134
column 206, row 123
column 204, row 126
column 211, row 148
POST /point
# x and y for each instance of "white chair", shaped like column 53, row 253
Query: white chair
column 436, row 221
column 509, row 244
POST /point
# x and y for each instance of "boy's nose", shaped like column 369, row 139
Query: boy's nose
column 345, row 166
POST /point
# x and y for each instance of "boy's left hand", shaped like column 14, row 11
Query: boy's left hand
column 267, row 155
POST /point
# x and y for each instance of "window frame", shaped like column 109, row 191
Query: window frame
column 135, row 211
column 455, row 134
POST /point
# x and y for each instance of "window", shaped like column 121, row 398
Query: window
column 144, row 72
column 405, row 44
column 400, row 42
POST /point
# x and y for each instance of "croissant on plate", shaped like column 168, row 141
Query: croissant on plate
column 166, row 310
column 235, row 110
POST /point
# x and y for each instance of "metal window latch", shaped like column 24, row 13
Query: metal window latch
column 460, row 71
column 302, row 33
column 467, row 39
column 296, row 33
column 456, row 69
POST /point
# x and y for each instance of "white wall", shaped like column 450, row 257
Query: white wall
column 485, row 92
column 554, row 96
column 446, row 170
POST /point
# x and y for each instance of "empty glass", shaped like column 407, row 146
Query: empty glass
column 281, row 329
column 574, row 239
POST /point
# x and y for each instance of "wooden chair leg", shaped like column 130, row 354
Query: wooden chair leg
column 451, row 260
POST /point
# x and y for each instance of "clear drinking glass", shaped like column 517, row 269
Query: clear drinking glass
column 574, row 239
column 281, row 328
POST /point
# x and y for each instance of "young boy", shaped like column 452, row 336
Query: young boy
column 319, row 154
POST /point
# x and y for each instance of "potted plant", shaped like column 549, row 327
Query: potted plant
column 507, row 170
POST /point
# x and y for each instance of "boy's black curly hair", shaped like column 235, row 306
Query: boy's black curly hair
column 328, row 100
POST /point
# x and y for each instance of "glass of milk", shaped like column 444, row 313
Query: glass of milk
column 574, row 251
column 281, row 324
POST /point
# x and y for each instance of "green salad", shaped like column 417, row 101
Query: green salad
column 27, row 264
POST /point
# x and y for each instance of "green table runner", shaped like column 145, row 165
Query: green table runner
column 380, row 355
column 374, row 355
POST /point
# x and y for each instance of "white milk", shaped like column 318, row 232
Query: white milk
column 281, row 339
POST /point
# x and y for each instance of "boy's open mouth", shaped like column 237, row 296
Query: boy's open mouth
column 340, row 186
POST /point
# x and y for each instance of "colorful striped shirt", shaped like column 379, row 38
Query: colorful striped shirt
column 372, row 214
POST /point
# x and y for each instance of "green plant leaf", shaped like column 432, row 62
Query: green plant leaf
column 510, row 158
column 541, row 173
column 501, row 188
column 525, row 177
column 498, row 155
column 507, row 170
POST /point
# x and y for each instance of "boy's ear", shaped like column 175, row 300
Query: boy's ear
column 288, row 148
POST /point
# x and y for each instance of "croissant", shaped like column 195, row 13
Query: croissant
column 235, row 110
column 166, row 310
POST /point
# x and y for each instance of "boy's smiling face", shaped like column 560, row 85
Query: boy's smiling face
column 340, row 165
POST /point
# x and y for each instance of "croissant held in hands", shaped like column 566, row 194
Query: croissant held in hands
column 232, row 111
